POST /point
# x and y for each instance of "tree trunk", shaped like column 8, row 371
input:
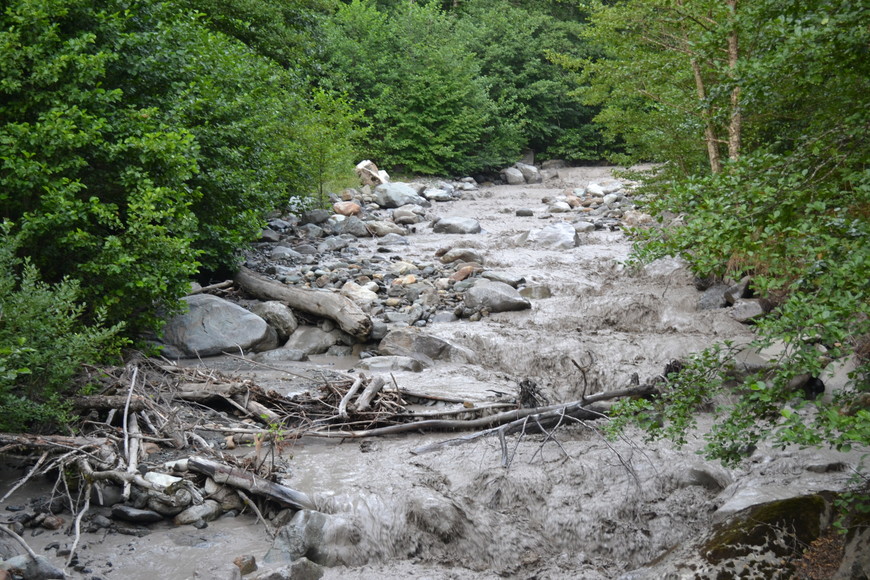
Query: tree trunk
column 735, row 124
column 709, row 129
column 342, row 310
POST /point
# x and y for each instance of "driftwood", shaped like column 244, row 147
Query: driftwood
column 365, row 399
column 236, row 477
column 324, row 303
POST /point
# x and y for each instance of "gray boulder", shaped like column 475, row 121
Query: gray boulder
column 436, row 194
column 353, row 226
column 412, row 342
column 382, row 228
column 713, row 298
column 748, row 309
column 530, row 173
column 456, row 225
column 558, row 236
column 392, row 195
column 409, row 214
column 461, row 255
column 495, row 297
column 513, row 176
column 277, row 315
column 312, row 340
column 212, row 326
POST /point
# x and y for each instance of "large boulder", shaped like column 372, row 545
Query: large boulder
column 494, row 297
column 558, row 236
column 278, row 315
column 213, row 326
column 414, row 343
column 312, row 340
column 456, row 225
column 530, row 173
column 392, row 195
column 513, row 176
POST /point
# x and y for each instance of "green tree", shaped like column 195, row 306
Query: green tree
column 514, row 45
column 783, row 195
column 427, row 108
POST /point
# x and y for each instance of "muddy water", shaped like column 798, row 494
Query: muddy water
column 570, row 506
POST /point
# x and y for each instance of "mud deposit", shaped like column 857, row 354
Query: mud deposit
column 569, row 506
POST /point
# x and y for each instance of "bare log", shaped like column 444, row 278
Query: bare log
column 236, row 477
column 106, row 402
column 346, row 313
column 582, row 410
column 372, row 389
column 218, row 286
column 201, row 392
column 345, row 400
column 260, row 411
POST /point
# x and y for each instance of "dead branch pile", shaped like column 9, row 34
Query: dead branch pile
column 157, row 439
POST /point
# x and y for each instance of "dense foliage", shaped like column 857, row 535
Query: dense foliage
column 759, row 111
column 43, row 342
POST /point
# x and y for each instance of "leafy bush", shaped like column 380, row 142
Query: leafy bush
column 43, row 342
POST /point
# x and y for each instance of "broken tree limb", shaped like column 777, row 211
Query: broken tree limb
column 106, row 402
column 372, row 389
column 236, row 477
column 345, row 400
column 582, row 409
column 332, row 305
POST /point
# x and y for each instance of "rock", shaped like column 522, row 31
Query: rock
column 137, row 516
column 595, row 189
column 284, row 253
column 438, row 195
column 582, row 227
column 559, row 207
column 32, row 569
column 711, row 477
column 751, row 543
column 353, row 226
column 465, row 272
column 161, row 480
column 408, row 214
column 393, row 240
column 461, row 255
column 747, row 310
column 301, row 569
column 314, row 535
column 361, row 297
column 513, row 176
column 525, row 212
column 456, row 225
column 277, row 315
column 560, row 235
column 634, row 219
column 311, row 340
column 212, row 326
column 207, row 511
column 713, row 298
column 369, row 174
column 610, row 199
column 281, row 355
column 426, row 348
column 270, row 236
column 495, row 297
column 390, row 363
column 314, row 216
column 737, row 291
column 246, row 564
column 346, row 208
column 381, row 228
column 530, row 173
column 393, row 195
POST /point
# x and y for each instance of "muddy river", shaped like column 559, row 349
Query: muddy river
column 573, row 505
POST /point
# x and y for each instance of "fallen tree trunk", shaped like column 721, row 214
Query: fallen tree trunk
column 580, row 410
column 349, row 316
column 236, row 477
